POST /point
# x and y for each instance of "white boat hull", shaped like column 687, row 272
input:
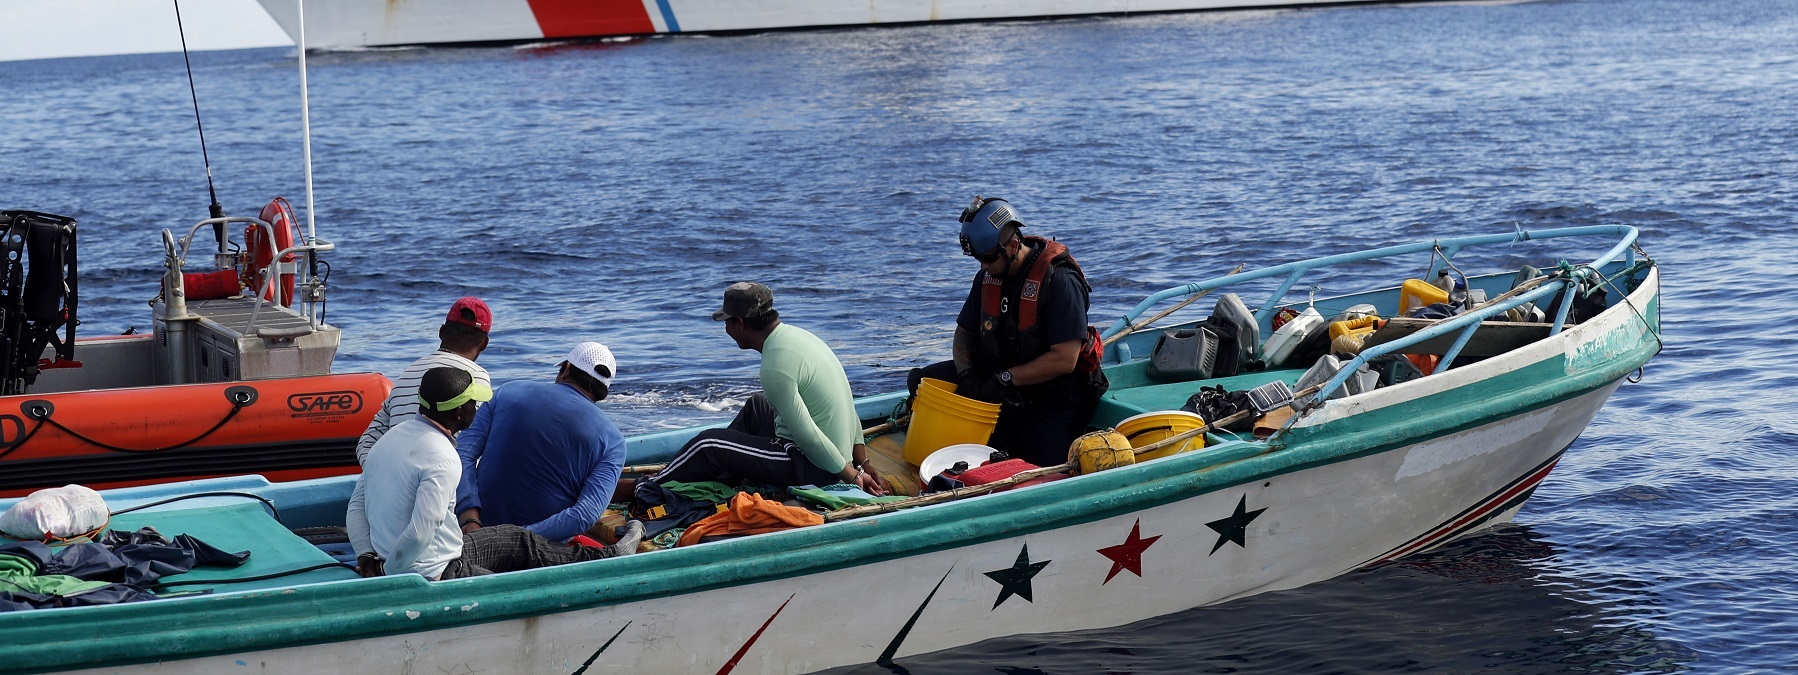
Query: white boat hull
column 1318, row 523
column 348, row 24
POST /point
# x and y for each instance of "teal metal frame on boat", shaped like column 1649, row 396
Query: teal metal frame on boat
column 1467, row 323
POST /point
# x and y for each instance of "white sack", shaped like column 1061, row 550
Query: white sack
column 66, row 511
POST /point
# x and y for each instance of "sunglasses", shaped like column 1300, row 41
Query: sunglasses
column 990, row 257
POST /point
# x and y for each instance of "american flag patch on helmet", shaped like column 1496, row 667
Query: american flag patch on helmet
column 1000, row 216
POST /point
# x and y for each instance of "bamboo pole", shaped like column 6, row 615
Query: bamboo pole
column 1025, row 476
column 946, row 496
column 887, row 426
column 1145, row 324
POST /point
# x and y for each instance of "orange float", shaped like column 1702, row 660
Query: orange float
column 279, row 215
column 283, row 429
column 290, row 428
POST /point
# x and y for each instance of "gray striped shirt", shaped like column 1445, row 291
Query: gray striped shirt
column 402, row 404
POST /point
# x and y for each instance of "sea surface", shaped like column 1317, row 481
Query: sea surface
column 610, row 190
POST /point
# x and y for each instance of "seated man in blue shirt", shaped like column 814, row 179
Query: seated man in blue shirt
column 541, row 454
column 402, row 511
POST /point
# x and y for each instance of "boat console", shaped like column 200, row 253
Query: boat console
column 239, row 337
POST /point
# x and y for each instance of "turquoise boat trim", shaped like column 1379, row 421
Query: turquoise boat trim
column 237, row 622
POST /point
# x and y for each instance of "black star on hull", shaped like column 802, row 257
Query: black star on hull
column 1015, row 580
column 1235, row 528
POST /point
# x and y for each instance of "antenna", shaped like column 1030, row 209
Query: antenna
column 315, row 292
column 306, row 128
column 217, row 211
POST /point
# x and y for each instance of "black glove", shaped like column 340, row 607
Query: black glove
column 1009, row 394
column 987, row 389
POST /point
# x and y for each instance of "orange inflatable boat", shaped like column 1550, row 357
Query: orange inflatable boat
column 285, row 429
column 235, row 379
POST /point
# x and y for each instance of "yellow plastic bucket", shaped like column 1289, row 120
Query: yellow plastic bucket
column 939, row 419
column 942, row 395
column 1158, row 426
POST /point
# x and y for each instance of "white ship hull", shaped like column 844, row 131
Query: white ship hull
column 348, row 24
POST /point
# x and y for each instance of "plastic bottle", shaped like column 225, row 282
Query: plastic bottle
column 1443, row 281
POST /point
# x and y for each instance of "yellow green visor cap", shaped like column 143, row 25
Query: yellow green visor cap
column 476, row 391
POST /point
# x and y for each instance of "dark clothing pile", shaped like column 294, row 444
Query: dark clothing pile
column 119, row 567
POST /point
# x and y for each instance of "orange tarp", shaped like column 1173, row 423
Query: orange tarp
column 750, row 514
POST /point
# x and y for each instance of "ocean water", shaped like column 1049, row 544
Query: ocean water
column 610, row 190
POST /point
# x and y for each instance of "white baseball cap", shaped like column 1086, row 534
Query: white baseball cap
column 593, row 359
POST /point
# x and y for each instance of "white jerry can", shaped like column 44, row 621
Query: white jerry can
column 1281, row 344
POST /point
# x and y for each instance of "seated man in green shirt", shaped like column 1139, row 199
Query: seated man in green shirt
column 801, row 430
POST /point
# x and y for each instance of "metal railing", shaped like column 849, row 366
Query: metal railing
column 1466, row 323
column 300, row 267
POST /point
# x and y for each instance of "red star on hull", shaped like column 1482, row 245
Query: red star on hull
column 1128, row 555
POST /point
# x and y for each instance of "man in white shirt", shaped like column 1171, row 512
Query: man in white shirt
column 461, row 340
column 403, row 510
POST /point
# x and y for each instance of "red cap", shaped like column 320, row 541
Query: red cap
column 470, row 311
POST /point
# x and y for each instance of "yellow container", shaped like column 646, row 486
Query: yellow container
column 943, row 395
column 939, row 419
column 1361, row 327
column 1417, row 293
column 1154, row 427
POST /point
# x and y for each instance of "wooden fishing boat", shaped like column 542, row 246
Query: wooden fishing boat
column 235, row 378
column 1349, row 481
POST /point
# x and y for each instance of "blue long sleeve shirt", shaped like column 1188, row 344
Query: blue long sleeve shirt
column 542, row 456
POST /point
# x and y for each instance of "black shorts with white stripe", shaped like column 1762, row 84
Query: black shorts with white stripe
column 737, row 458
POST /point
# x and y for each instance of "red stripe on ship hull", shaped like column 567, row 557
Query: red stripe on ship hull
column 591, row 18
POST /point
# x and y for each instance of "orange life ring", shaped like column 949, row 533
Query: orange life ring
column 279, row 214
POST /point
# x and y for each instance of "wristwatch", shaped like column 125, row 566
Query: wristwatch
column 1005, row 377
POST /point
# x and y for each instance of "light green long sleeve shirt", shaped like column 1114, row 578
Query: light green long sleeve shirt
column 810, row 393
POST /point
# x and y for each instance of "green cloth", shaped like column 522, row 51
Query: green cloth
column 839, row 496
column 705, row 490
column 20, row 573
column 812, row 403
column 238, row 527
